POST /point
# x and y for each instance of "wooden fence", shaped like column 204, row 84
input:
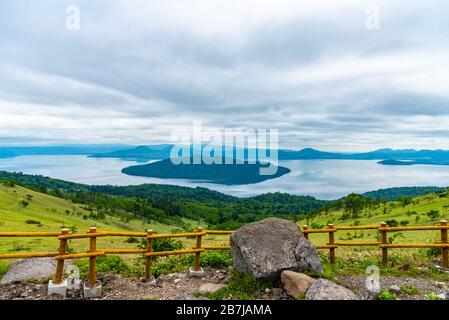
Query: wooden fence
column 61, row 255
column 383, row 229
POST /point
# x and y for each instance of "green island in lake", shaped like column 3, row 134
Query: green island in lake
column 229, row 174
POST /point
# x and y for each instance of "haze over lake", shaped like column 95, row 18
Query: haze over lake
column 324, row 179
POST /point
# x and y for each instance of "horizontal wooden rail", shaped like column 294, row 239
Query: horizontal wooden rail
column 28, row 255
column 219, row 232
column 322, row 247
column 417, row 228
column 357, row 227
column 125, row 234
column 80, row 255
column 174, row 252
column 176, row 235
column 28, row 234
column 124, row 251
column 414, row 245
column 357, row 244
column 209, row 248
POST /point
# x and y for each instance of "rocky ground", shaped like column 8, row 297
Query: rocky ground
column 418, row 288
column 181, row 286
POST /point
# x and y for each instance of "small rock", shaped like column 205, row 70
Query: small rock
column 442, row 296
column 176, row 281
column 24, row 295
column 210, row 287
column 189, row 297
column 395, row 289
column 326, row 290
column 422, row 269
column 296, row 284
column 267, row 290
column 440, row 284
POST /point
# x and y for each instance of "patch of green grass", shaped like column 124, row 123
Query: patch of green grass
column 3, row 268
column 172, row 264
column 410, row 290
column 432, row 296
column 54, row 213
column 106, row 264
column 385, row 294
column 240, row 286
column 216, row 259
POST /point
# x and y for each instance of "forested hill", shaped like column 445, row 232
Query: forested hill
column 167, row 203
column 397, row 193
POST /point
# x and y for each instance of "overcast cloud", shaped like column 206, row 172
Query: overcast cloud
column 137, row 69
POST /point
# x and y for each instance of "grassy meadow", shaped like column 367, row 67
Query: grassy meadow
column 22, row 209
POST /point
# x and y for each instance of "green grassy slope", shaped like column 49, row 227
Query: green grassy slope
column 46, row 213
column 415, row 213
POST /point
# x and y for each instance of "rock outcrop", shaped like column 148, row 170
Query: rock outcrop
column 296, row 284
column 324, row 289
column 266, row 248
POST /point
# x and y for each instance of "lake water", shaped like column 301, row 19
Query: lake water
column 324, row 179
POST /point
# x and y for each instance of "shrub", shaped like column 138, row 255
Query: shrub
column 386, row 295
column 172, row 264
column 240, row 286
column 132, row 240
column 107, row 263
column 410, row 290
column 392, row 223
column 433, row 214
column 24, row 203
column 216, row 259
column 32, row 222
column 432, row 296
column 163, row 244
column 404, row 223
column 317, row 226
column 3, row 268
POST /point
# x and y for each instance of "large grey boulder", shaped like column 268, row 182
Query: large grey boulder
column 266, row 248
column 30, row 269
column 324, row 289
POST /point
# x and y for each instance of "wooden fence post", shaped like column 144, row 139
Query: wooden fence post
column 197, row 266
column 331, row 228
column 93, row 260
column 384, row 240
column 444, row 251
column 305, row 228
column 148, row 260
column 61, row 252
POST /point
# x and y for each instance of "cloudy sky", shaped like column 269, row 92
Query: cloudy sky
column 136, row 70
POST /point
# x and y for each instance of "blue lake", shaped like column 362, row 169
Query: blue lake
column 324, row 179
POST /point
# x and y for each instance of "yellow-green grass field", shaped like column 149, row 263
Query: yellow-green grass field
column 45, row 213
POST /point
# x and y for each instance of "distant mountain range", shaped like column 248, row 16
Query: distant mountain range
column 10, row 152
column 388, row 156
column 162, row 151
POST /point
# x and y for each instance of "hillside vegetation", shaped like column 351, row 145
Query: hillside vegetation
column 22, row 209
column 356, row 209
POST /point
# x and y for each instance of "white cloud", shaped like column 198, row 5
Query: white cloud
column 138, row 69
